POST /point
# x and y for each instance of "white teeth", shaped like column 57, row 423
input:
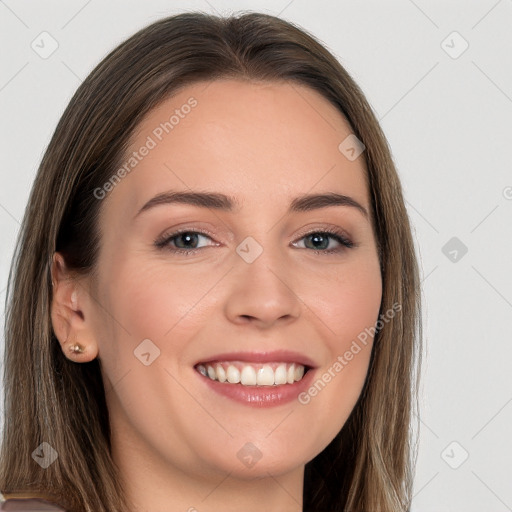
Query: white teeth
column 265, row 376
column 280, row 374
column 221, row 374
column 291, row 374
column 248, row 376
column 232, row 374
column 253, row 374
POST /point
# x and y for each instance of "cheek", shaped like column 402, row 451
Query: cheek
column 348, row 300
column 148, row 299
column 151, row 301
column 347, row 303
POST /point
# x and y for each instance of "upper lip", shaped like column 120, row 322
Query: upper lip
column 284, row 356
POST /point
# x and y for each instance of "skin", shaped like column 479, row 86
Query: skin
column 175, row 444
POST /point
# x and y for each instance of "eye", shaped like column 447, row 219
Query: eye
column 319, row 241
column 183, row 241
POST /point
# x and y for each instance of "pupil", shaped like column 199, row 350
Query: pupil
column 316, row 237
column 187, row 236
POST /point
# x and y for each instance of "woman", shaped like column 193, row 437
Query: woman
column 272, row 367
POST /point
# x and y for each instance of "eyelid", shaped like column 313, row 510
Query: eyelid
column 329, row 228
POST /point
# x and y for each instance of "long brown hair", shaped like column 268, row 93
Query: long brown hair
column 369, row 464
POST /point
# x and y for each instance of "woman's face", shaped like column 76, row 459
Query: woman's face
column 262, row 283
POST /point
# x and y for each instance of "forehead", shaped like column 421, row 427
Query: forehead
column 261, row 142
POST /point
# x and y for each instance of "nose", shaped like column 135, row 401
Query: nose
column 262, row 293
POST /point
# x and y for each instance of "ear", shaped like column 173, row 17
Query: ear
column 70, row 313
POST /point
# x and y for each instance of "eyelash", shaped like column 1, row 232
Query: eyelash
column 162, row 242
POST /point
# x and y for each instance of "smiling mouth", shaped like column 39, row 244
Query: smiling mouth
column 253, row 374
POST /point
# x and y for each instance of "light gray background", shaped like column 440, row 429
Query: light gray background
column 448, row 121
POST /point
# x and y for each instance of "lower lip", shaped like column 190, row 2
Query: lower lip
column 260, row 396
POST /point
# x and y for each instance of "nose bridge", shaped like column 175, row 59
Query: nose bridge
column 265, row 256
column 262, row 287
column 259, row 260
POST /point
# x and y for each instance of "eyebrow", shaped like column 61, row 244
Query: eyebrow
column 222, row 202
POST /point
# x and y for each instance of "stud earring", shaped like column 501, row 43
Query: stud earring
column 76, row 348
